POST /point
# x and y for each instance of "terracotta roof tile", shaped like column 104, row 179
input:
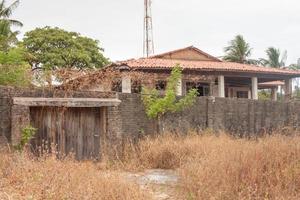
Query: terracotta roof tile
column 208, row 66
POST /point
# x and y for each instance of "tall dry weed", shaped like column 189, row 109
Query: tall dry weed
column 23, row 177
column 222, row 167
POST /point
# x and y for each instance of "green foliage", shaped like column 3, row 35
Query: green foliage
column 294, row 67
column 52, row 48
column 264, row 95
column 8, row 38
column 275, row 58
column 13, row 69
column 14, row 56
column 238, row 51
column 157, row 106
column 27, row 134
column 7, row 11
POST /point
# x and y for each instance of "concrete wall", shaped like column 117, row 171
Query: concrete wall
column 243, row 117
column 239, row 116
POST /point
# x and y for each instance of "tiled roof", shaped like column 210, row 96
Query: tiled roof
column 207, row 66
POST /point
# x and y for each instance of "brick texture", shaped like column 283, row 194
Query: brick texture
column 242, row 117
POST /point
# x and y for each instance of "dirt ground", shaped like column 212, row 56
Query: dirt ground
column 160, row 184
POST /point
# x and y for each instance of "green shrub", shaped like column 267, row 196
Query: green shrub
column 157, row 106
column 27, row 134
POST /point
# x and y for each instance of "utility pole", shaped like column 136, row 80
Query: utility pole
column 148, row 30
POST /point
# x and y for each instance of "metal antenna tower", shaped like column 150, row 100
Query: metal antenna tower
column 148, row 31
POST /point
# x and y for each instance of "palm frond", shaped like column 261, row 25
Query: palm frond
column 274, row 58
column 238, row 50
column 6, row 12
column 15, row 22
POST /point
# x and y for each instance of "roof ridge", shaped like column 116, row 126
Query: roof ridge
column 189, row 47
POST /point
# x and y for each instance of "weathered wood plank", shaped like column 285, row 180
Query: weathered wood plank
column 76, row 130
column 66, row 102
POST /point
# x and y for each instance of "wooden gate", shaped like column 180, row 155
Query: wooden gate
column 68, row 130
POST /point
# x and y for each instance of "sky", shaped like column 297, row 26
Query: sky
column 208, row 25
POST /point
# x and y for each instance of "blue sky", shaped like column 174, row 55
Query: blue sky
column 208, row 25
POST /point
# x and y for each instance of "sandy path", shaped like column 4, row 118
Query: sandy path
column 161, row 184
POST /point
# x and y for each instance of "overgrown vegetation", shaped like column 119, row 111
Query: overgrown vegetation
column 23, row 177
column 156, row 106
column 209, row 166
column 28, row 133
column 222, row 167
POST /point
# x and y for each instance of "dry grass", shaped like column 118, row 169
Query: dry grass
column 221, row 167
column 210, row 167
column 21, row 177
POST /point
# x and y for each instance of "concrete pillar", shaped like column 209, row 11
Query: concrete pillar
column 179, row 91
column 249, row 94
column 126, row 84
column 254, row 88
column 274, row 94
column 221, row 86
column 288, row 89
column 211, row 88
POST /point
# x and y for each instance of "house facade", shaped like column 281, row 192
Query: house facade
column 208, row 74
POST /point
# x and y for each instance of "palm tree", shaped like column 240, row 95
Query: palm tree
column 7, row 36
column 6, row 12
column 238, row 51
column 275, row 58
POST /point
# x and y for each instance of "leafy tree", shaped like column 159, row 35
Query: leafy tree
column 275, row 58
column 156, row 106
column 52, row 48
column 238, row 51
column 14, row 71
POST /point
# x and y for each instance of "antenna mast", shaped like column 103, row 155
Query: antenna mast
column 148, row 31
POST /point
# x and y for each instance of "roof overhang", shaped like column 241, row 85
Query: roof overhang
column 66, row 102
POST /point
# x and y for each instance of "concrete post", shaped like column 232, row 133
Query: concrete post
column 274, row 93
column 126, row 84
column 254, row 88
column 288, row 89
column 249, row 94
column 221, row 86
column 211, row 88
column 179, row 91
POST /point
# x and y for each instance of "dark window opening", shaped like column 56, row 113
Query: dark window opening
column 202, row 88
column 242, row 94
column 161, row 85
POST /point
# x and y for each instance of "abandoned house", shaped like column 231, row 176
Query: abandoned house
column 208, row 74
column 94, row 115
